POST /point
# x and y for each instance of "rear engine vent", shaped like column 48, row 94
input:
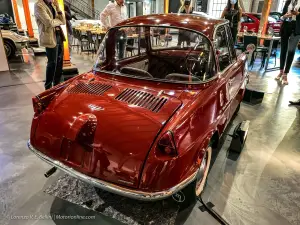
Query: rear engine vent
column 142, row 99
column 89, row 88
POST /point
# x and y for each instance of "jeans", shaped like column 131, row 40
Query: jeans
column 234, row 33
column 70, row 42
column 289, row 42
column 121, row 44
column 55, row 63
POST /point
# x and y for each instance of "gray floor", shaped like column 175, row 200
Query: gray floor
column 259, row 186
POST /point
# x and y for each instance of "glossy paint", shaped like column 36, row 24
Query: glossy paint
column 254, row 26
column 121, row 139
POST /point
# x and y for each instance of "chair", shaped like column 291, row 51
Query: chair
column 91, row 41
column 76, row 39
column 274, row 48
column 130, row 46
column 263, row 50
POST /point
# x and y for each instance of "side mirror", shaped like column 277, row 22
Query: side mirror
column 250, row 48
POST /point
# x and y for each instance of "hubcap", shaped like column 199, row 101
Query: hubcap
column 7, row 50
column 203, row 171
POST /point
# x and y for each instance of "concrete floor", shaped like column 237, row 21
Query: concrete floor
column 259, row 186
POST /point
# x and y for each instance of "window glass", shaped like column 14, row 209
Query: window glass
column 223, row 52
column 230, row 43
column 160, row 53
column 246, row 19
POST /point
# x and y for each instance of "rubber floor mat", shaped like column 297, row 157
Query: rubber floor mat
column 123, row 209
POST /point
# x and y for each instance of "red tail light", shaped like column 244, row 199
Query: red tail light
column 41, row 101
column 166, row 144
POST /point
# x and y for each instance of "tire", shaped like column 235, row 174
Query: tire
column 9, row 49
column 237, row 110
column 194, row 189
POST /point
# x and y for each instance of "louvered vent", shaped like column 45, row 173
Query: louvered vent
column 89, row 88
column 142, row 99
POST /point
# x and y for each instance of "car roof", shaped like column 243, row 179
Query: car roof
column 197, row 21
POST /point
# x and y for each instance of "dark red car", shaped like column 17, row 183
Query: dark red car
column 252, row 20
column 144, row 121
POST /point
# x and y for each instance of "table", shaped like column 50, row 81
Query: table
column 265, row 37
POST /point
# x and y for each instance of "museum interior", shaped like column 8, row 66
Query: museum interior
column 205, row 95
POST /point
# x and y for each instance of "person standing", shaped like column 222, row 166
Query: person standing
column 290, row 36
column 233, row 12
column 69, row 17
column 185, row 36
column 113, row 14
column 49, row 17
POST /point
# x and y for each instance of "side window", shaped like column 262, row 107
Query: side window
column 246, row 19
column 129, row 42
column 231, row 44
column 223, row 52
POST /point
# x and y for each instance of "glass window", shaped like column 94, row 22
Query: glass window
column 223, row 52
column 216, row 7
column 281, row 5
column 158, row 53
column 231, row 44
column 246, row 19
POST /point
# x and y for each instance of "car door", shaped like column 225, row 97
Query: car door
column 236, row 79
column 228, row 66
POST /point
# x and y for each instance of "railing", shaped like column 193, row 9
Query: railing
column 84, row 9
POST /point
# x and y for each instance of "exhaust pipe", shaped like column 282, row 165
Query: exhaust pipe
column 50, row 172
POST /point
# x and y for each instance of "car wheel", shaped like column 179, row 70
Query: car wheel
column 194, row 190
column 237, row 110
column 9, row 49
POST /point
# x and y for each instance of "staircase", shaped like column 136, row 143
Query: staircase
column 84, row 9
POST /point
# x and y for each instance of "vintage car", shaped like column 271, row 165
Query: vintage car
column 144, row 122
column 252, row 21
column 13, row 42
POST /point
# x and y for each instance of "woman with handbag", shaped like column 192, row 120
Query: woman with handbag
column 290, row 36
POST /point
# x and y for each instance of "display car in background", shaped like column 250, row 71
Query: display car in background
column 144, row 122
column 252, row 20
column 13, row 43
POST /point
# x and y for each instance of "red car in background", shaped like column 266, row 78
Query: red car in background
column 252, row 20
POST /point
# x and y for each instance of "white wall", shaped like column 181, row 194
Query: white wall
column 160, row 4
column 3, row 61
column 274, row 6
column 100, row 4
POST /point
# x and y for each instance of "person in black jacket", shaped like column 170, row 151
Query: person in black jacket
column 69, row 17
column 233, row 12
column 290, row 36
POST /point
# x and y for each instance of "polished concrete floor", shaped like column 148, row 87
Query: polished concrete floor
column 259, row 186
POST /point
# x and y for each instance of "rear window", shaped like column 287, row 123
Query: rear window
column 270, row 19
column 157, row 53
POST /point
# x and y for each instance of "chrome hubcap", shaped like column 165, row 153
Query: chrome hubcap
column 7, row 50
column 201, row 170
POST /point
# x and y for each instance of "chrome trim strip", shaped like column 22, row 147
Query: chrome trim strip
column 126, row 192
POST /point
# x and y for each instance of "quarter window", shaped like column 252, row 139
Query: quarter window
column 223, row 52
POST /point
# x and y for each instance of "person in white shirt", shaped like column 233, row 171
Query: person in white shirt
column 113, row 14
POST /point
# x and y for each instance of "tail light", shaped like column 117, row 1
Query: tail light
column 166, row 145
column 41, row 101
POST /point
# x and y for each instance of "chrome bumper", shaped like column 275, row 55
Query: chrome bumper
column 130, row 193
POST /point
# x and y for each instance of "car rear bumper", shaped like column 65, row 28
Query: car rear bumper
column 21, row 45
column 130, row 193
